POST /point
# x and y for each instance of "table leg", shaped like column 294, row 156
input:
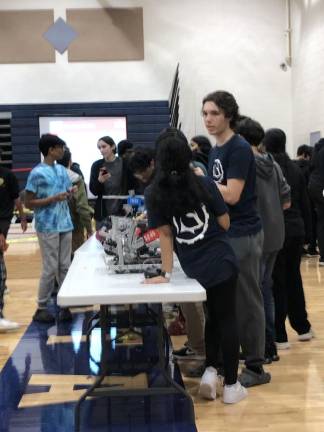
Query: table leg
column 103, row 366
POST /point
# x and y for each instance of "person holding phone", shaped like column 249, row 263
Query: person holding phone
column 106, row 179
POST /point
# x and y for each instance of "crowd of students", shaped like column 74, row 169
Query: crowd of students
column 236, row 214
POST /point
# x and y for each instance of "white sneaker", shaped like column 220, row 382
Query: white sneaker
column 283, row 345
column 234, row 393
column 306, row 336
column 208, row 383
column 6, row 291
column 6, row 325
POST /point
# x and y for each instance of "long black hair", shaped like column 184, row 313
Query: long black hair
column 274, row 142
column 176, row 190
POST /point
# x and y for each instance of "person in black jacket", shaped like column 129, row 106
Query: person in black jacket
column 287, row 282
column 304, row 159
column 200, row 147
column 316, row 187
column 106, row 179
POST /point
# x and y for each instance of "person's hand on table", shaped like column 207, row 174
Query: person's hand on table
column 156, row 280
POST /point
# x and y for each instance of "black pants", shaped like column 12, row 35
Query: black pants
column 4, row 225
column 288, row 290
column 317, row 198
column 221, row 330
column 313, row 235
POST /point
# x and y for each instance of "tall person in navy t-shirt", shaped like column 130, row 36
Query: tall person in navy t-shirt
column 190, row 211
column 232, row 167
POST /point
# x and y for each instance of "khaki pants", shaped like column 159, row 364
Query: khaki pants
column 195, row 324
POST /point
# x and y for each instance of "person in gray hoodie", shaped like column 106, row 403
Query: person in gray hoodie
column 273, row 196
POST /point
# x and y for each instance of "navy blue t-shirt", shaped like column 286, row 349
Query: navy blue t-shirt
column 235, row 160
column 201, row 244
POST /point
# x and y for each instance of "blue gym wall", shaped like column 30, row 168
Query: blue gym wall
column 144, row 121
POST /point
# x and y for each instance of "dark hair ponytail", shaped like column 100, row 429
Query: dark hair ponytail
column 175, row 190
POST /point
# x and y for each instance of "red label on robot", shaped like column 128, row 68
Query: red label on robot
column 151, row 235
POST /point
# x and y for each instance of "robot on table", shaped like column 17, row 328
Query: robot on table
column 130, row 246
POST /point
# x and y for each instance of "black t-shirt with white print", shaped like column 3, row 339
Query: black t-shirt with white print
column 235, row 160
column 201, row 244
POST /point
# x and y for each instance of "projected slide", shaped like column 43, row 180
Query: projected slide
column 81, row 135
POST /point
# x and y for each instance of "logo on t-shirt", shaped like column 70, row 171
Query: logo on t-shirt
column 191, row 227
column 218, row 172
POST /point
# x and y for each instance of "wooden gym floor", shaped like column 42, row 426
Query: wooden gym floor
column 292, row 402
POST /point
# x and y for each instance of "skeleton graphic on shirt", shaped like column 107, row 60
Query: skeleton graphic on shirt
column 191, row 227
column 218, row 172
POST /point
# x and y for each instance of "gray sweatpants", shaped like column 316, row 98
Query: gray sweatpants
column 250, row 310
column 56, row 258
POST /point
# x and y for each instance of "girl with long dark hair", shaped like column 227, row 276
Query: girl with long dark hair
column 106, row 178
column 189, row 211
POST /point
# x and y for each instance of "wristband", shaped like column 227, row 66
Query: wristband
column 166, row 274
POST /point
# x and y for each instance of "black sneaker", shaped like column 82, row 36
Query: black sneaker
column 271, row 358
column 242, row 358
column 186, row 353
column 43, row 316
column 249, row 378
column 196, row 372
column 65, row 315
column 311, row 253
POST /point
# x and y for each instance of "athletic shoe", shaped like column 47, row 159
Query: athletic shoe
column 6, row 291
column 6, row 325
column 249, row 378
column 283, row 345
column 208, row 384
column 271, row 358
column 306, row 336
column 311, row 253
column 43, row 316
column 242, row 358
column 196, row 372
column 321, row 261
column 234, row 393
column 186, row 353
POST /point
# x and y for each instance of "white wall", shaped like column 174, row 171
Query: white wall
column 308, row 69
column 239, row 48
column 232, row 45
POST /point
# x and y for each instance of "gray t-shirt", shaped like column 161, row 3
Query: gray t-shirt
column 113, row 185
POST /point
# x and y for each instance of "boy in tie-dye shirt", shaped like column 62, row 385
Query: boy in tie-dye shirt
column 47, row 190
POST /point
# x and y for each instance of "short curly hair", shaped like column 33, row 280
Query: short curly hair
column 227, row 103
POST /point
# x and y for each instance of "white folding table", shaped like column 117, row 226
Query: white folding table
column 88, row 282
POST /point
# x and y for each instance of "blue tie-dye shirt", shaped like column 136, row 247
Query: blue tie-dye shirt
column 45, row 181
